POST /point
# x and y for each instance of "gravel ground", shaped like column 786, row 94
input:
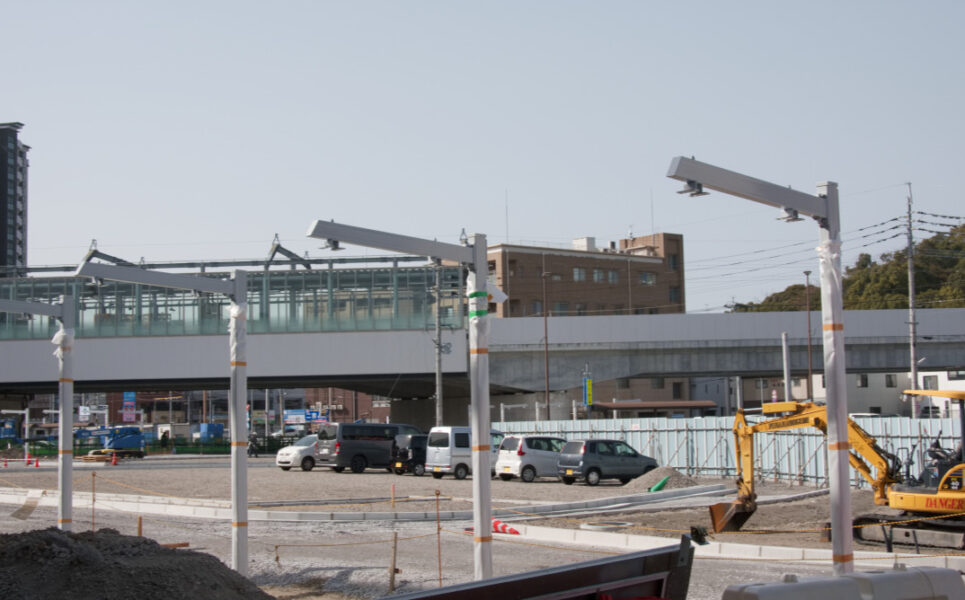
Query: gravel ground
column 350, row 560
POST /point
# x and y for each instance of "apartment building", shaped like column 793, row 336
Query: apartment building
column 13, row 200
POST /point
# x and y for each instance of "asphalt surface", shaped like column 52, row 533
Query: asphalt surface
column 348, row 558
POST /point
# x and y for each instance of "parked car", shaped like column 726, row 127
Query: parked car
column 409, row 454
column 528, row 457
column 288, row 430
column 449, row 450
column 303, row 453
column 595, row 460
column 359, row 445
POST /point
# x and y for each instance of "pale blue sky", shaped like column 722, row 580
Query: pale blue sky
column 188, row 130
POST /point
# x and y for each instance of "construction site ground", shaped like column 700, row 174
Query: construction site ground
column 338, row 560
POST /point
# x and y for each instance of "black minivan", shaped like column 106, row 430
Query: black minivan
column 358, row 446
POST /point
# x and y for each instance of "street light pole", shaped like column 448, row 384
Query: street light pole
column 807, row 301
column 823, row 207
column 236, row 290
column 473, row 255
column 64, row 339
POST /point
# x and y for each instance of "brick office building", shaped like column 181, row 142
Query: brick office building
column 641, row 275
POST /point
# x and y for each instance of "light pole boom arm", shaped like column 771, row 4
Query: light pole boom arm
column 715, row 178
column 370, row 238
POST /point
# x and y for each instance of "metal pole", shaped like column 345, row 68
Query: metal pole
column 832, row 317
column 807, row 300
column 912, row 323
column 546, row 346
column 65, row 429
column 479, row 384
column 238, row 333
column 439, row 420
column 787, row 368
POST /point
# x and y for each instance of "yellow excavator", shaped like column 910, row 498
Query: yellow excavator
column 938, row 493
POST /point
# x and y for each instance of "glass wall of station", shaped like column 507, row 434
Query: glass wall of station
column 281, row 301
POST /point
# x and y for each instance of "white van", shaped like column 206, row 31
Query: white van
column 449, row 450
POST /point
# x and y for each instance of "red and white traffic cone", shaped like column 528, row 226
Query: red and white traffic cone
column 500, row 527
column 37, row 462
column 4, row 463
column 114, row 458
column 26, row 461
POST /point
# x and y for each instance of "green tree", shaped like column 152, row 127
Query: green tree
column 871, row 285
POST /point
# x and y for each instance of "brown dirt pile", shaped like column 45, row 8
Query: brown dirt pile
column 50, row 563
column 676, row 480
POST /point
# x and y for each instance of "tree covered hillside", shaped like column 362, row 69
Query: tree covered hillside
column 869, row 284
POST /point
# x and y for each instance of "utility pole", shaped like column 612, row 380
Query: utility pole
column 439, row 421
column 807, row 302
column 912, row 324
column 546, row 346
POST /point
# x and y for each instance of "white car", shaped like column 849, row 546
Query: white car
column 302, row 453
column 528, row 457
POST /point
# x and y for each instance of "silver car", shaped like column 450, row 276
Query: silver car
column 303, row 453
column 528, row 457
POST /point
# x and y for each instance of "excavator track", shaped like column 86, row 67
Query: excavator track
column 889, row 529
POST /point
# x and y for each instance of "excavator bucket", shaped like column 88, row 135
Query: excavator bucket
column 731, row 516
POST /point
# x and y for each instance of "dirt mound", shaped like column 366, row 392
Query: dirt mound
column 50, row 563
column 676, row 479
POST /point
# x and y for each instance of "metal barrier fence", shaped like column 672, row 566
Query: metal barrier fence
column 704, row 446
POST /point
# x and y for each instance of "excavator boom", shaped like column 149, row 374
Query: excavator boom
column 731, row 516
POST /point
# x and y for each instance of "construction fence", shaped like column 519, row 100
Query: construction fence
column 704, row 446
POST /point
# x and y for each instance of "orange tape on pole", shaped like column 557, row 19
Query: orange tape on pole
column 833, row 327
column 481, row 448
column 842, row 558
column 840, row 446
column 488, row 538
column 479, row 351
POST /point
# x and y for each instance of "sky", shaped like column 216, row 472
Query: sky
column 199, row 130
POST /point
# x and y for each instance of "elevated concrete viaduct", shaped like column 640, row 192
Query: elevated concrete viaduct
column 400, row 364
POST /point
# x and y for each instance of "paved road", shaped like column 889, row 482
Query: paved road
column 352, row 557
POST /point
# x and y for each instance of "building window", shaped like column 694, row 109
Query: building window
column 537, row 308
column 891, row 380
column 656, row 383
column 599, row 276
column 673, row 262
column 760, row 384
column 613, row 276
column 579, row 274
column 675, row 294
column 678, row 390
column 623, row 383
column 956, row 375
column 648, row 278
column 862, row 380
column 561, row 308
column 930, row 382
